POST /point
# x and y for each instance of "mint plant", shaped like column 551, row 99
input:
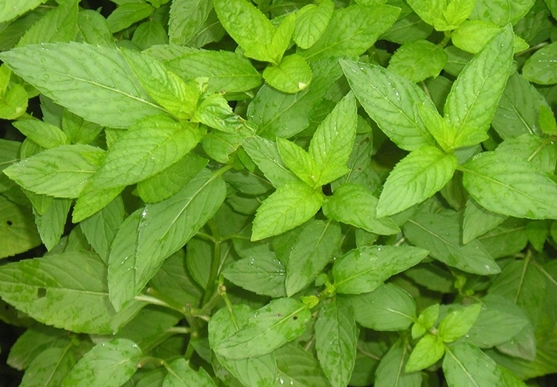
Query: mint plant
column 267, row 193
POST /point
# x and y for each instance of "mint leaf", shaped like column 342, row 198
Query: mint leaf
column 390, row 101
column 180, row 374
column 536, row 150
column 351, row 31
column 458, row 323
column 17, row 229
column 289, row 206
column 58, row 25
column 270, row 327
column 390, row 372
column 298, row 161
column 441, row 14
column 51, row 365
column 127, row 14
column 501, row 12
column 336, row 339
column 13, row 8
column 60, row 172
column 291, row 75
column 466, row 365
column 418, row 60
column 355, row 205
column 473, row 35
column 153, row 233
column 528, row 192
column 109, row 364
column 427, row 352
column 214, row 111
column 473, row 99
column 42, row 133
column 52, row 222
column 477, row 221
column 186, row 18
column 415, row 178
column 311, row 22
column 426, row 320
column 364, row 269
column 313, row 250
column 540, row 67
column 92, row 199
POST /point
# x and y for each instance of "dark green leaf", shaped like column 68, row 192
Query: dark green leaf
column 390, row 372
column 465, row 365
column 17, row 229
column 181, row 375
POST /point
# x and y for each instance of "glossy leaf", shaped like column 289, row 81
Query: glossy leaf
column 311, row 22
column 458, row 323
column 58, row 25
column 291, row 75
column 42, row 133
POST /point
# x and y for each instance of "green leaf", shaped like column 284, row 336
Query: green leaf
column 527, row 192
column 58, row 25
column 298, row 367
column 443, row 15
column 92, row 200
column 181, row 375
column 50, row 367
column 32, row 343
column 473, row 99
column 249, row 27
column 365, row 269
column 426, row 353
column 314, row 248
column 62, row 172
column 45, row 288
column 282, row 37
column 300, row 162
column 473, row 35
column 418, row 60
column 186, row 18
column 477, row 221
column 355, row 205
column 458, row 323
column 351, row 31
column 10, row 9
column 93, row 29
column 540, row 68
column 536, row 150
column 166, row 88
column 126, row 15
column 52, row 222
column 270, row 327
column 153, row 233
column 332, row 143
column 415, row 178
column 501, row 12
column 441, row 235
column 546, row 120
column 289, row 206
column 226, row 71
column 336, row 337
column 426, row 320
column 261, row 274
column 78, row 130
column 466, row 365
column 17, row 229
column 390, row 100
column 387, row 308
column 291, row 75
column 108, row 364
column 215, row 112
column 311, row 22
column 14, row 103
column 254, row 371
column 91, row 81
column 147, row 148
column 42, row 133
column 390, row 372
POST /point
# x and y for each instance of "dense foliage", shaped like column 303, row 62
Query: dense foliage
column 233, row 193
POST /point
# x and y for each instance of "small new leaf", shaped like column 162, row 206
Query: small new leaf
column 427, row 352
column 291, row 75
column 458, row 322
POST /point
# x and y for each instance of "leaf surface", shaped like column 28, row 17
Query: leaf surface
column 180, row 374
column 13, row 8
column 466, row 365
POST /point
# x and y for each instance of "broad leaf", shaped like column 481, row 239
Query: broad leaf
column 186, row 18
column 58, row 25
column 180, row 374
column 42, row 133
column 477, row 221
column 458, row 323
column 291, row 75
column 52, row 222
column 108, row 364
column 270, row 327
column 336, row 339
column 540, row 67
column 13, row 8
column 501, row 12
column 298, row 367
column 426, row 353
column 300, row 162
column 418, row 60
column 466, row 365
column 311, row 22
column 17, row 229
column 91, row 81
column 128, row 14
column 32, row 343
column 365, row 269
column 390, row 372
column 50, row 366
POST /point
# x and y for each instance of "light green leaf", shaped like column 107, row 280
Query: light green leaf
column 536, row 150
column 249, row 27
column 527, row 192
column 92, row 200
column 219, row 145
column 473, row 99
column 52, row 222
column 408, row 28
column 58, row 25
column 540, row 68
column 336, row 337
column 426, row 320
column 153, row 233
column 64, row 290
column 186, row 19
column 351, row 31
column 415, row 178
column 314, row 248
column 149, row 33
column 291, row 75
column 17, row 229
column 62, row 172
column 181, row 375
column 126, row 15
column 282, row 37
column 387, row 308
column 311, row 21
column 254, row 371
column 108, row 364
column 365, row 269
column 442, row 14
column 418, row 60
column 215, row 112
column 91, row 81
column 300, row 162
column 270, row 327
column 147, row 148
column 78, row 130
column 14, row 103
column 457, row 11
column 546, row 120
column 332, row 143
column 501, row 12
column 477, row 221
column 50, row 367
column 441, row 235
column 289, row 206
column 390, row 100
column 93, row 29
column 458, row 323
column 390, row 372
column 226, row 71
column 355, row 205
column 10, row 9
column 427, row 352
column 261, row 274
column 465, row 365
column 473, row 35
column 42, row 133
